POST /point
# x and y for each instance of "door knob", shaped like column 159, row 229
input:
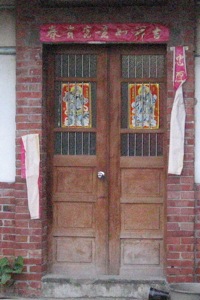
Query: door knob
column 101, row 174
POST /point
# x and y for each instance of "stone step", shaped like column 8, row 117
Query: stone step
column 54, row 286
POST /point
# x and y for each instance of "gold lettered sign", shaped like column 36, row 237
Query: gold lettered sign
column 106, row 32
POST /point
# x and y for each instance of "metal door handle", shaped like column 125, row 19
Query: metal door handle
column 101, row 174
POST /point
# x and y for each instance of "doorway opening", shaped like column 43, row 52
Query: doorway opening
column 107, row 159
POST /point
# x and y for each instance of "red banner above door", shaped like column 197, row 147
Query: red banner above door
column 104, row 33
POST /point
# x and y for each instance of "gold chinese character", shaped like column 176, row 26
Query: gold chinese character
column 140, row 32
column 180, row 76
column 121, row 32
column 156, row 33
column 70, row 33
column 53, row 33
column 87, row 32
column 104, row 32
column 179, row 60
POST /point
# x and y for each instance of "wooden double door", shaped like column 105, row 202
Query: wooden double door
column 106, row 156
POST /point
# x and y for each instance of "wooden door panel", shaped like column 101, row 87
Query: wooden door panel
column 74, row 218
column 141, row 221
column 140, row 252
column 75, row 178
column 75, row 250
column 75, row 181
column 141, row 217
column 75, row 215
column 141, row 183
column 74, row 255
column 141, row 257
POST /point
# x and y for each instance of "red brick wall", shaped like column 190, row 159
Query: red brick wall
column 29, row 233
column 180, row 190
column 22, row 236
column 7, row 219
column 197, row 233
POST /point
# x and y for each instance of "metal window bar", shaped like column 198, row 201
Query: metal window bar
column 68, row 65
column 149, row 145
column 68, row 143
column 61, row 148
column 61, row 65
column 128, row 66
column 75, row 144
column 156, row 66
column 142, row 145
column 89, row 66
column 142, row 66
column 82, row 64
column 156, row 154
column 135, row 145
column 75, row 65
column 135, row 66
column 128, row 144
column 89, row 143
column 82, row 143
column 149, row 67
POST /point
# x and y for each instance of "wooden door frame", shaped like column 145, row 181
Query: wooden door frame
column 112, row 134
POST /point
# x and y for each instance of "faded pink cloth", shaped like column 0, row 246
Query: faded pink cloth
column 177, row 134
column 32, row 163
column 177, row 123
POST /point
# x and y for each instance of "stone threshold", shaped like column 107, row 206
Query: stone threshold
column 105, row 287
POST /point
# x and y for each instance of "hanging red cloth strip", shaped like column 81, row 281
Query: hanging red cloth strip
column 88, row 33
column 23, row 155
column 180, row 73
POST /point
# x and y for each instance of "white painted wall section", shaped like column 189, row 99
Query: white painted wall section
column 7, row 28
column 7, row 97
column 197, row 106
column 7, row 118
